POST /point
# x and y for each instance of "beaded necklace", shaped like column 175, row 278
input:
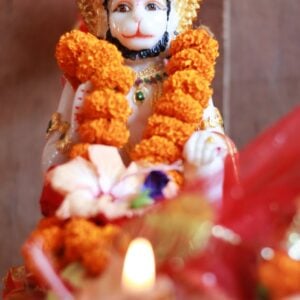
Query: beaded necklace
column 152, row 75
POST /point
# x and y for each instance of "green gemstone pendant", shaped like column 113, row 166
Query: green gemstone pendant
column 139, row 96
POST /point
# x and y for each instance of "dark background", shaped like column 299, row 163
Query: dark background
column 258, row 81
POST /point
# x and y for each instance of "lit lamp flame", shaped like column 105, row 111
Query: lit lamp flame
column 139, row 267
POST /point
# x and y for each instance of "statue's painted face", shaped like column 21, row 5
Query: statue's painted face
column 138, row 24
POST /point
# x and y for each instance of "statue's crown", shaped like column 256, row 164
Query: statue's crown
column 95, row 15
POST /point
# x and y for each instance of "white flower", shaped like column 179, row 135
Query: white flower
column 101, row 185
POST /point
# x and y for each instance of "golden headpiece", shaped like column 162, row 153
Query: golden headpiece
column 95, row 17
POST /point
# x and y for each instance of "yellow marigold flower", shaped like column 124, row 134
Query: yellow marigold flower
column 105, row 104
column 119, row 78
column 200, row 39
column 191, row 59
column 102, row 131
column 95, row 57
column 157, row 149
column 69, row 48
column 80, row 149
column 189, row 82
column 179, row 105
column 173, row 129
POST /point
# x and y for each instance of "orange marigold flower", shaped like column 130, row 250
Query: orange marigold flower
column 177, row 177
column 90, row 244
column 50, row 237
column 200, row 39
column 49, row 222
column 105, row 104
column 189, row 82
column 96, row 57
column 81, row 236
column 191, row 59
column 173, row 129
column 102, row 131
column 157, row 149
column 119, row 78
column 179, row 105
column 69, row 48
column 80, row 149
column 52, row 241
column 95, row 261
column 280, row 275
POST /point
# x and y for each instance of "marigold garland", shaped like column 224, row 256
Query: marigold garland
column 189, row 82
column 83, row 57
column 191, row 59
column 185, row 94
column 80, row 149
column 180, row 106
column 156, row 149
column 200, row 39
column 77, row 240
column 104, row 131
column 69, row 49
column 116, row 77
column 190, row 70
column 105, row 103
column 170, row 128
column 93, row 59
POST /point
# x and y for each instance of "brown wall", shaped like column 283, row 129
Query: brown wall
column 29, row 89
column 262, row 50
column 265, row 66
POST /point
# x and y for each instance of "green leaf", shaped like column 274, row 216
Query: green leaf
column 141, row 201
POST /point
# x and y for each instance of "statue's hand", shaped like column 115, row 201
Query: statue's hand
column 204, row 147
column 204, row 155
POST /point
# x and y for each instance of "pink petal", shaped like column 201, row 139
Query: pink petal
column 130, row 182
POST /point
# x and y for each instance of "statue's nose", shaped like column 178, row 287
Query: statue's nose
column 137, row 13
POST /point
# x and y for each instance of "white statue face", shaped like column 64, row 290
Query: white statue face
column 138, row 24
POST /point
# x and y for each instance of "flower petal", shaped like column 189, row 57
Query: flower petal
column 109, row 165
column 155, row 183
column 130, row 182
column 75, row 174
column 113, row 210
column 80, row 203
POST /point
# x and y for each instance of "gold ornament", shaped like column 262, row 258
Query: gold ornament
column 152, row 75
column 95, row 16
column 62, row 127
column 187, row 11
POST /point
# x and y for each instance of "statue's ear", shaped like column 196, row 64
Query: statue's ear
column 94, row 16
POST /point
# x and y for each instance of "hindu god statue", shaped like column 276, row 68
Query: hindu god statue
column 138, row 82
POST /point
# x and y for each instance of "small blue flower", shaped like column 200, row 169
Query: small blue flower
column 155, row 182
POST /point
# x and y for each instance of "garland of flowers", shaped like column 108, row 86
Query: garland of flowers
column 186, row 93
column 105, row 111
column 75, row 240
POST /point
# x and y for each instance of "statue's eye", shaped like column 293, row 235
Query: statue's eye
column 152, row 6
column 123, row 8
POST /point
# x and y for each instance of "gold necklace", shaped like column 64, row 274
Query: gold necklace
column 152, row 75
